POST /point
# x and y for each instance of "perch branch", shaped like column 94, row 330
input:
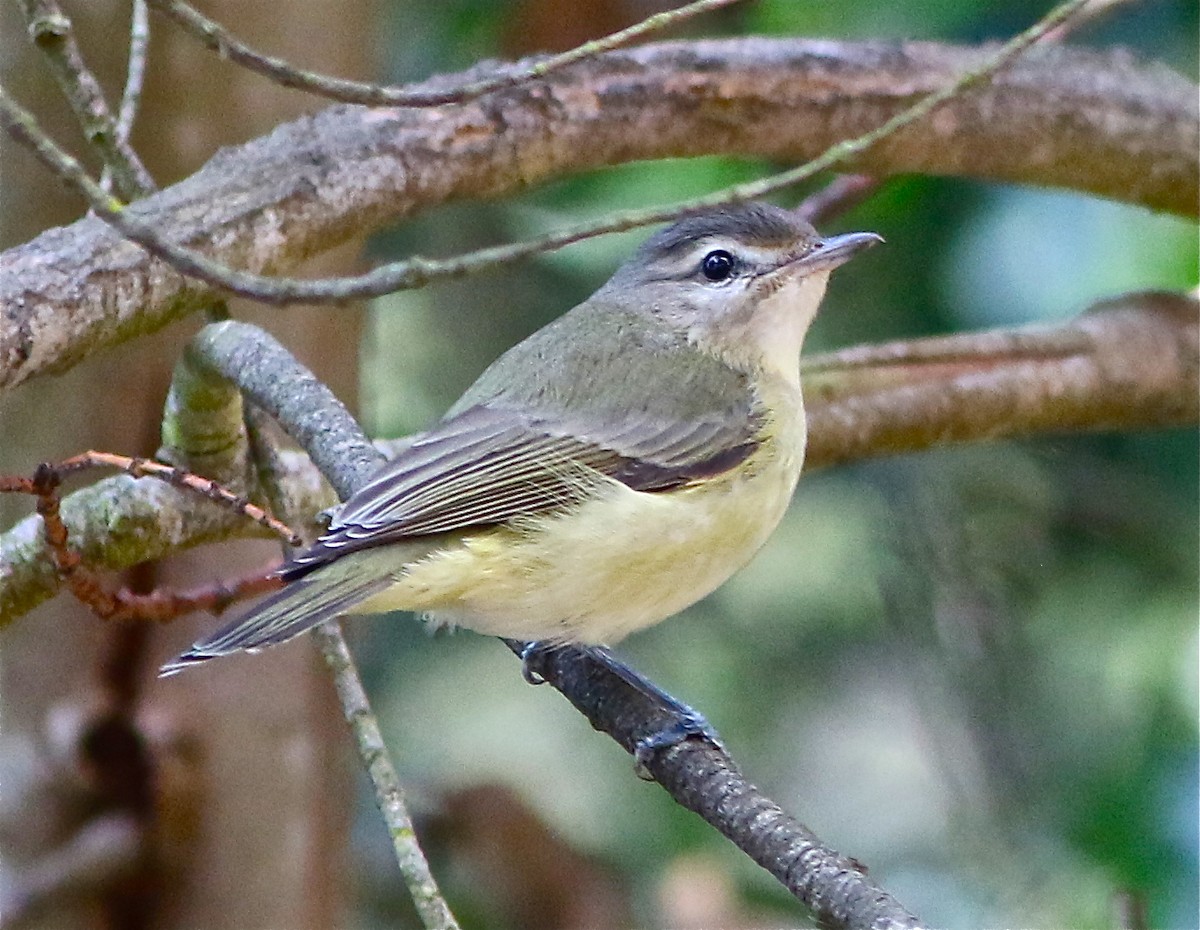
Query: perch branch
column 837, row 891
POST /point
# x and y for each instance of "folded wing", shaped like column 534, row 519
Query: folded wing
column 489, row 464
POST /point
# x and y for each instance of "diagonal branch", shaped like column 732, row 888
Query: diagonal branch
column 702, row 777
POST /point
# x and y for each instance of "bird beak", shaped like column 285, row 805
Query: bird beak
column 833, row 251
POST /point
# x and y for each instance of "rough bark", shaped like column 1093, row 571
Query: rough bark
column 1060, row 116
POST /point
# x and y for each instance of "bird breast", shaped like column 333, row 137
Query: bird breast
column 618, row 562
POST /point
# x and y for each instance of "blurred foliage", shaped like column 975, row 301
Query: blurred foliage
column 975, row 669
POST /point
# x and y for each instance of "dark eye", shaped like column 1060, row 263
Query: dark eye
column 717, row 265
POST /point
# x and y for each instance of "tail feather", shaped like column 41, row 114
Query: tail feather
column 286, row 613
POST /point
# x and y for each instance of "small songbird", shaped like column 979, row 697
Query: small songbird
column 613, row 468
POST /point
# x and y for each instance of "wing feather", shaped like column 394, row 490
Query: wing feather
column 487, row 465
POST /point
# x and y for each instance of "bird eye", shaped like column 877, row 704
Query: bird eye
column 717, row 265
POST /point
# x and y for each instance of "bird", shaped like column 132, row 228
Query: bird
column 613, row 468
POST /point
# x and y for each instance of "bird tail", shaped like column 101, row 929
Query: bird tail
column 311, row 599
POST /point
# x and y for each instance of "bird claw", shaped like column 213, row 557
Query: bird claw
column 682, row 722
column 688, row 724
column 531, row 656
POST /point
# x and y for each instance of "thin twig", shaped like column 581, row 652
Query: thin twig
column 218, row 39
column 51, row 32
column 232, row 350
column 145, row 468
column 839, row 195
column 389, row 794
column 135, row 72
column 418, row 271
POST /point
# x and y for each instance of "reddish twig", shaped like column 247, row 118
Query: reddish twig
column 163, row 605
column 146, row 468
column 160, row 605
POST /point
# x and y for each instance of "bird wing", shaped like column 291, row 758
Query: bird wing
column 491, row 463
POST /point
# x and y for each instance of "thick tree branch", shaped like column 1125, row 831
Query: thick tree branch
column 1059, row 116
column 1128, row 363
column 417, row 271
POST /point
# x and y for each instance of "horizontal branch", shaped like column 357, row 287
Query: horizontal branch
column 418, row 271
column 1128, row 363
column 1058, row 116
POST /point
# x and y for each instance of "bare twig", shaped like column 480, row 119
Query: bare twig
column 135, row 71
column 50, row 29
column 843, row 193
column 145, row 468
column 252, row 360
column 389, row 794
column 218, row 39
column 418, row 271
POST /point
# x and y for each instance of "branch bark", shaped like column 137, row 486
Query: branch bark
column 1128, row 363
column 1059, row 116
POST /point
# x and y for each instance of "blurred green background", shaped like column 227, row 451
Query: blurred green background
column 975, row 670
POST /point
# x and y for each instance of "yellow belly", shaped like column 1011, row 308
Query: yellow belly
column 618, row 563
